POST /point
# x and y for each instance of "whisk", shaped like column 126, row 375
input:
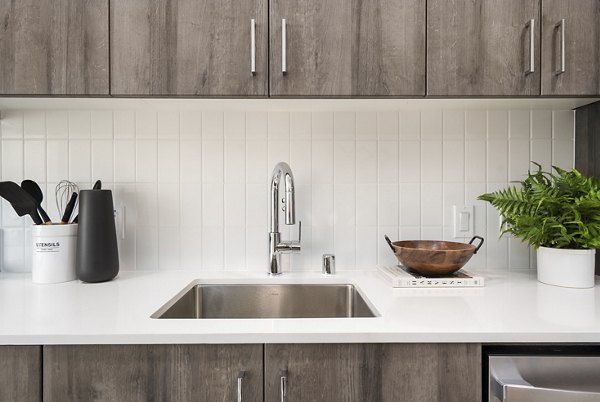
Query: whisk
column 64, row 190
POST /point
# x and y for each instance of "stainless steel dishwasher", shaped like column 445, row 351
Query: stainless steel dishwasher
column 544, row 378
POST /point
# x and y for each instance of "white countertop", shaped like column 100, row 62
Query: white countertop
column 510, row 308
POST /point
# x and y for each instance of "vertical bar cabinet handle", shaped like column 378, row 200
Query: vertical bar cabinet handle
column 240, row 381
column 531, row 25
column 283, row 385
column 283, row 47
column 563, row 61
column 252, row 46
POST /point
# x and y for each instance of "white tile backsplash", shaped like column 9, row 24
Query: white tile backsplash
column 194, row 184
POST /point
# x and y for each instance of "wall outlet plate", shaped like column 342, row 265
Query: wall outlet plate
column 463, row 221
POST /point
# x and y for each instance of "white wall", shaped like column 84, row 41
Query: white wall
column 194, row 183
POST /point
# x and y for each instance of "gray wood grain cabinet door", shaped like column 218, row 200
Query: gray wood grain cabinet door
column 347, row 48
column 20, row 373
column 572, row 69
column 373, row 372
column 483, row 47
column 188, row 47
column 54, row 47
column 152, row 373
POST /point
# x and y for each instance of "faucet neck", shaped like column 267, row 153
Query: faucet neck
column 282, row 172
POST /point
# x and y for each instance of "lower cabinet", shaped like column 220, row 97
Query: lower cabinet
column 153, row 373
column 20, row 373
column 373, row 372
column 272, row 372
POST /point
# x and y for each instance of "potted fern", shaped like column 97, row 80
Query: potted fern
column 559, row 214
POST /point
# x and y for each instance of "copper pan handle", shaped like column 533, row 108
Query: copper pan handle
column 479, row 245
column 390, row 243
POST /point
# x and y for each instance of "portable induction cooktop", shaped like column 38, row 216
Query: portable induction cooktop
column 402, row 277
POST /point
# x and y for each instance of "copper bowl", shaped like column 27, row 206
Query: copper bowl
column 432, row 257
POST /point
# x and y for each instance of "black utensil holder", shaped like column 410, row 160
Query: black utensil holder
column 97, row 257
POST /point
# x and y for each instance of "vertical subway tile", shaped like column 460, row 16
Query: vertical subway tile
column 12, row 160
column 453, row 161
column 212, row 125
column 541, row 124
column 475, row 125
column 387, row 126
column 410, row 204
column 146, row 247
column 278, row 125
column 146, row 124
column 124, row 161
column 57, row 160
column 80, row 160
column 497, row 125
column 234, row 125
column 80, row 124
column 475, row 161
column 190, row 155
column 366, row 126
column 190, row 125
column 518, row 154
column 366, row 161
column 519, row 124
column 410, row 126
column 168, row 161
column 235, row 161
column 322, row 162
column 168, row 205
column 344, row 126
column 102, row 125
column 57, row 124
column 300, row 126
column 190, row 201
column 11, row 124
column 322, row 125
column 431, row 161
column 146, row 204
column 387, row 205
column 146, row 160
column 102, row 160
column 190, row 248
column 212, row 161
column 563, row 125
column 256, row 162
column 256, row 126
column 563, row 154
column 168, row 125
column 366, row 204
column 541, row 153
column 453, row 195
column 344, row 160
column 366, row 247
column 431, row 125
column 454, row 124
column 34, row 124
column 124, row 124
column 497, row 161
column 168, row 248
column 301, row 160
column 410, row 162
column 277, row 151
column 387, row 160
column 431, row 204
column 35, row 160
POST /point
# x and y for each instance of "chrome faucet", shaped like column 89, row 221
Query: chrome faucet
column 282, row 173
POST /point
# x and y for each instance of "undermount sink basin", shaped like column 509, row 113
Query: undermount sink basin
column 199, row 300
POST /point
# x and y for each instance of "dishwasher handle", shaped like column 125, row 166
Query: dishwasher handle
column 507, row 385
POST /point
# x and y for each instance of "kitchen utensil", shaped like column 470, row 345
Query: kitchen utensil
column 69, row 209
column 36, row 192
column 432, row 257
column 97, row 254
column 63, row 191
column 22, row 202
column 97, row 186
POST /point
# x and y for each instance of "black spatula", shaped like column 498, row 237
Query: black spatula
column 22, row 202
column 36, row 192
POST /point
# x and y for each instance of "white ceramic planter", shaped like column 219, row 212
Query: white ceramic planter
column 566, row 267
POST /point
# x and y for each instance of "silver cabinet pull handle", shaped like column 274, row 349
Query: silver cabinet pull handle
column 240, row 381
column 252, row 46
column 283, row 385
column 561, row 27
column 531, row 26
column 283, row 47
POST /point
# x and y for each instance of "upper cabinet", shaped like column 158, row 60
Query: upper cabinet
column 189, row 47
column 347, row 48
column 483, row 47
column 54, row 47
column 571, row 47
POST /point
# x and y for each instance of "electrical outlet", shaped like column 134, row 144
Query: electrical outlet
column 463, row 221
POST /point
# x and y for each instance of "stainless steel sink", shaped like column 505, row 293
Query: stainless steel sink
column 199, row 300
